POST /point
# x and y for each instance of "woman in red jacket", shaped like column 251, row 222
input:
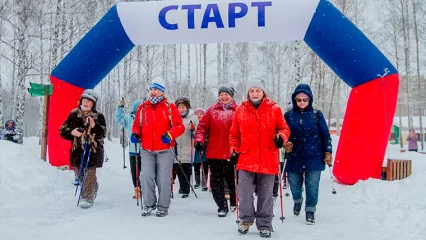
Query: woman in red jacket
column 157, row 124
column 257, row 133
column 215, row 126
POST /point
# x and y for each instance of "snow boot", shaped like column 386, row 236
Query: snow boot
column 185, row 195
column 243, row 227
column 297, row 207
column 265, row 233
column 85, row 204
column 222, row 212
column 232, row 208
column 204, row 189
column 310, row 218
column 147, row 210
column 161, row 213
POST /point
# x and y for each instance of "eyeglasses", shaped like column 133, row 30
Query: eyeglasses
column 302, row 100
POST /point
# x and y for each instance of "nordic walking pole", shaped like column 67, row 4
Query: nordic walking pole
column 332, row 181
column 81, row 164
column 236, row 196
column 124, row 151
column 202, row 169
column 84, row 174
column 181, row 168
column 138, row 183
column 281, row 192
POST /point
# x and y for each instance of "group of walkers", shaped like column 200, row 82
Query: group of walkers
column 239, row 145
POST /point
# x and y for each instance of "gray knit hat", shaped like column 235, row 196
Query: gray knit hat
column 256, row 82
column 90, row 94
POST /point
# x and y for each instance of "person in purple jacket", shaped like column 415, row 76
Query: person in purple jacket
column 412, row 141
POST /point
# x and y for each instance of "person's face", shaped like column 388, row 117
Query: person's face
column 256, row 94
column 199, row 115
column 302, row 102
column 10, row 124
column 225, row 98
column 155, row 93
column 87, row 104
column 182, row 109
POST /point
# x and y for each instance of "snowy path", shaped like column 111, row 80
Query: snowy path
column 37, row 202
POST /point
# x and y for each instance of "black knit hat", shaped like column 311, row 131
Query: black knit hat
column 228, row 90
column 183, row 100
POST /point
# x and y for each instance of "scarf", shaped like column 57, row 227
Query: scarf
column 155, row 100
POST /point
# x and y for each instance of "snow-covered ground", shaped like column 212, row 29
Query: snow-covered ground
column 37, row 202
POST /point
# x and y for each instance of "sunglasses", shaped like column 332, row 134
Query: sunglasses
column 302, row 100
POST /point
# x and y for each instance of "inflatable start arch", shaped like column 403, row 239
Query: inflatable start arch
column 339, row 43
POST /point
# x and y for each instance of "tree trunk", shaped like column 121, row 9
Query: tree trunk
column 219, row 64
column 63, row 30
column 419, row 86
column 204, row 93
column 55, row 45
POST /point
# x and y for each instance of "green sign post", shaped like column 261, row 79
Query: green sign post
column 40, row 90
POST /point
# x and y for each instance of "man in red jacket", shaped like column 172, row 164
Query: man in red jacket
column 157, row 124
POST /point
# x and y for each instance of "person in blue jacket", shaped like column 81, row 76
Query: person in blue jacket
column 308, row 148
column 126, row 121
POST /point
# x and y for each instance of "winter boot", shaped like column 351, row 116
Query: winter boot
column 147, row 210
column 265, row 233
column 85, row 203
column 222, row 212
column 204, row 189
column 310, row 218
column 197, row 181
column 243, row 227
column 161, row 213
column 297, row 207
column 185, row 195
column 233, row 208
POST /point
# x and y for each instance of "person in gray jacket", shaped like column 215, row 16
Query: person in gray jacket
column 185, row 145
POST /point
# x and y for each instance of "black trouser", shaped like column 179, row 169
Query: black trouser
column 183, row 182
column 201, row 175
column 133, row 168
column 277, row 182
column 222, row 170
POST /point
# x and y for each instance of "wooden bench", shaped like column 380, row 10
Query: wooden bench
column 396, row 169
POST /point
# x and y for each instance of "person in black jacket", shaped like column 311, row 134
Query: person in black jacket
column 308, row 149
column 86, row 125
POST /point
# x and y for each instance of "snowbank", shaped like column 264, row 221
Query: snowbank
column 25, row 178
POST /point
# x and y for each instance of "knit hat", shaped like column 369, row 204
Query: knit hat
column 228, row 90
column 199, row 110
column 90, row 94
column 158, row 83
column 256, row 82
column 183, row 100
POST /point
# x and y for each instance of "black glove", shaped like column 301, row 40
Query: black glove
column 9, row 137
column 198, row 146
column 278, row 141
column 233, row 158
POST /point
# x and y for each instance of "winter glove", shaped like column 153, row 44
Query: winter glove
column 198, row 146
column 233, row 158
column 288, row 147
column 9, row 137
column 134, row 138
column 278, row 141
column 166, row 138
column 328, row 158
column 191, row 126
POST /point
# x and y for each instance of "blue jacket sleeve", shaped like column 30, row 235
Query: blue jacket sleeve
column 123, row 120
column 324, row 133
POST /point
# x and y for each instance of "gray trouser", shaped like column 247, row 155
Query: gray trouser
column 263, row 183
column 156, row 169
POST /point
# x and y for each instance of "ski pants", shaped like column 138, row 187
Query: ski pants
column 263, row 183
column 222, row 170
column 156, row 170
column 183, row 176
column 277, row 182
column 133, row 169
column 201, row 173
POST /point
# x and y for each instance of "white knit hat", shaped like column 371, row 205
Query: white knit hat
column 256, row 82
